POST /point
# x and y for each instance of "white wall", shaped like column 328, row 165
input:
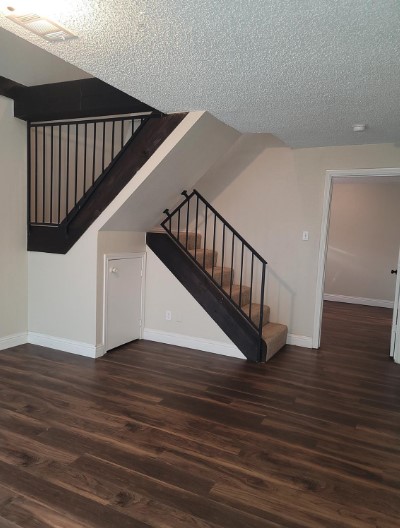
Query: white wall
column 13, row 254
column 190, row 325
column 27, row 64
column 62, row 297
column 364, row 239
column 270, row 194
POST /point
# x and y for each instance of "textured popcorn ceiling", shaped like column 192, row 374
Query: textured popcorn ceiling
column 304, row 70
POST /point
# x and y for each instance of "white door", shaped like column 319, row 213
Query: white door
column 395, row 341
column 123, row 301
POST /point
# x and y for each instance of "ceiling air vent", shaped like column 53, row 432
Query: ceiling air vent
column 43, row 27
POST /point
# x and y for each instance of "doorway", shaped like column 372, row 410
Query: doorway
column 359, row 250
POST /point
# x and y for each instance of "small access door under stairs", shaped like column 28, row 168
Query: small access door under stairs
column 123, row 299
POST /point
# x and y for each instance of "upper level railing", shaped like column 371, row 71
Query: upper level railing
column 68, row 159
column 196, row 217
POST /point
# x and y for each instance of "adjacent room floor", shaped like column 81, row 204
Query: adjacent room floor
column 155, row 435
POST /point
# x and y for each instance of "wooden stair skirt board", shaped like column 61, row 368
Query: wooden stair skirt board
column 59, row 239
column 209, row 296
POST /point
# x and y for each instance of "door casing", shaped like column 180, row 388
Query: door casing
column 330, row 176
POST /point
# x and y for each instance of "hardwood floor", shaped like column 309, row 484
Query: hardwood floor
column 160, row 436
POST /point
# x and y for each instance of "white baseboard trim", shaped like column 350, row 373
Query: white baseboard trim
column 197, row 343
column 299, row 340
column 65, row 345
column 170, row 338
column 13, row 340
column 358, row 300
column 100, row 350
column 208, row 345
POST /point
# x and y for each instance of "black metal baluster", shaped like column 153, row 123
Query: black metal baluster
column 241, row 277
column 179, row 225
column 232, row 256
column 133, row 126
column 104, row 145
column 84, row 160
column 122, row 133
column 67, row 179
column 44, row 176
column 29, row 171
column 215, row 226
column 51, row 173
column 197, row 224
column 223, row 250
column 251, row 283
column 59, row 174
column 261, row 307
column 112, row 140
column 36, row 176
column 94, row 151
column 187, row 223
column 205, row 240
column 76, row 163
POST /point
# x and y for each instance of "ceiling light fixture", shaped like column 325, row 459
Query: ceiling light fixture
column 359, row 128
column 19, row 13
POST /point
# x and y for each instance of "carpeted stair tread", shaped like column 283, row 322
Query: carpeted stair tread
column 275, row 336
column 217, row 272
column 191, row 238
column 255, row 313
column 208, row 259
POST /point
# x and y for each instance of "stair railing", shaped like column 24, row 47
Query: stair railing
column 67, row 160
column 195, row 215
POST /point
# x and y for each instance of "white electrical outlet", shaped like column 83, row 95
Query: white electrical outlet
column 168, row 315
column 305, row 236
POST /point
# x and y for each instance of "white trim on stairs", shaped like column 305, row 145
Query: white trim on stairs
column 358, row 300
column 13, row 340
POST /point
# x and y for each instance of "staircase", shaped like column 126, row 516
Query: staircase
column 76, row 169
column 222, row 272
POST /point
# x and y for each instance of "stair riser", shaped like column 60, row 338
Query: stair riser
column 191, row 240
column 207, row 261
column 226, row 278
column 255, row 316
column 244, row 298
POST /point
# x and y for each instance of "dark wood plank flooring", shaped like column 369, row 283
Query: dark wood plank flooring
column 160, row 436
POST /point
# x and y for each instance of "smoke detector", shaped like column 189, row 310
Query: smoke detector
column 359, row 128
column 39, row 25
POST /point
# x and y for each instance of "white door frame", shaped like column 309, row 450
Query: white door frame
column 114, row 256
column 323, row 246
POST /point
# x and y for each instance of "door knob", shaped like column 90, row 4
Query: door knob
column 394, row 272
column 114, row 270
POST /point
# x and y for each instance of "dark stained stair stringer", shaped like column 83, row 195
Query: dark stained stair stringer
column 208, row 295
column 60, row 238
